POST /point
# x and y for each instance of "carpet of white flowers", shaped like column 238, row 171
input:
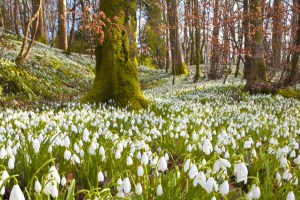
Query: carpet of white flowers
column 195, row 141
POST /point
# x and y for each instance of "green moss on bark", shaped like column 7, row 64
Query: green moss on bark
column 181, row 69
column 116, row 65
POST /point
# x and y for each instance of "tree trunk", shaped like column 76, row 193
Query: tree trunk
column 41, row 33
column 16, row 19
column 70, row 42
column 176, row 48
column 198, row 42
column 62, row 41
column 215, row 43
column 277, row 34
column 116, row 65
column 247, row 40
column 258, row 66
column 293, row 75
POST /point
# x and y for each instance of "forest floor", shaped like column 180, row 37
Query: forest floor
column 195, row 140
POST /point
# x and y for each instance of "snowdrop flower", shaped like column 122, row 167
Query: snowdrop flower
column 290, row 196
column 145, row 159
column 119, row 185
column 210, row 184
column 67, row 141
column 4, row 175
column 297, row 160
column 241, row 172
column 129, row 161
column 11, row 163
column 16, row 193
column 207, row 147
column 213, row 198
column 2, row 153
column 189, row 148
column 63, row 181
column 100, row 177
column 120, row 194
column 187, row 165
column 126, row 185
column 37, row 186
column 75, row 158
column 162, row 164
column 53, row 173
column 193, row 171
column 118, row 154
column 138, row 189
column 224, row 188
column 159, row 190
column 67, row 154
column 76, row 148
column 140, row 170
column 92, row 149
column 101, row 151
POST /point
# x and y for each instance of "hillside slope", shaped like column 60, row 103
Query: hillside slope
column 48, row 76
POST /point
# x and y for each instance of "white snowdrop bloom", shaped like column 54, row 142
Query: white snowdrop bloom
column 11, row 163
column 86, row 135
column 293, row 154
column 92, row 148
column 67, row 142
column 193, row 171
column 201, row 179
column 297, row 160
column 2, row 190
column 209, row 184
column 101, row 151
column 241, row 172
column 283, row 161
column 278, row 177
column 287, row 175
column 189, row 148
column 296, row 181
column 224, row 188
column 36, row 145
column 254, row 192
column 120, row 194
column 67, row 154
column 75, row 159
column 37, row 186
column 9, row 151
column 253, row 152
column 162, row 164
column 129, row 161
column 63, row 181
column 53, row 174
column 126, row 185
column 207, row 147
column 138, row 155
column 4, row 175
column 226, row 155
column 138, row 189
column 145, row 159
column 118, row 154
column 140, row 170
column 53, row 189
column 100, row 176
column 290, row 196
column 2, row 153
column 119, row 185
column 76, row 148
column 16, row 193
column 213, row 198
column 159, row 190
column 167, row 157
column 187, row 165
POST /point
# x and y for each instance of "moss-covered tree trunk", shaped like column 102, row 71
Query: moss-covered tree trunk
column 277, row 34
column 116, row 65
column 176, row 48
column 256, row 71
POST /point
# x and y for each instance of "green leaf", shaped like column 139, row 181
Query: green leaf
column 70, row 195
